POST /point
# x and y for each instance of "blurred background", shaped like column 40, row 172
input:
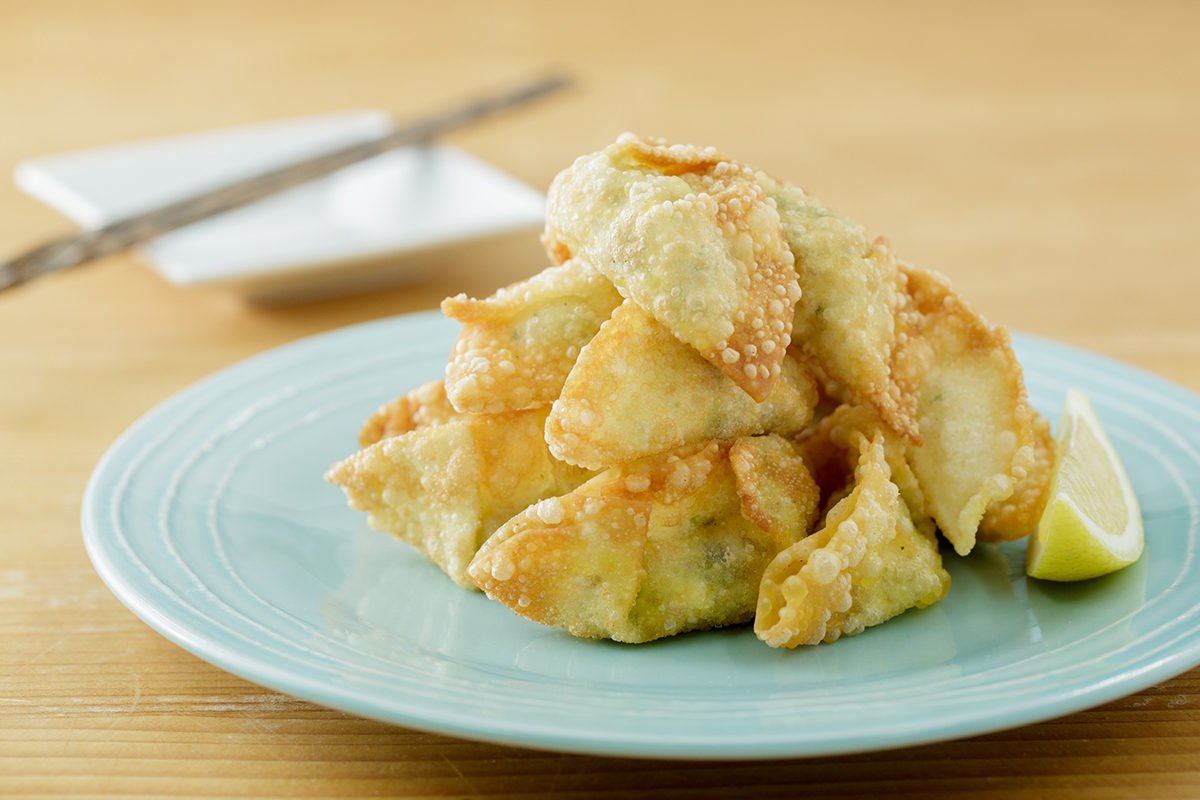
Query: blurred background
column 1043, row 155
column 993, row 143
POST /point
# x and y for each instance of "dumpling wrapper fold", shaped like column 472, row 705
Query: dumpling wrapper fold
column 867, row 564
column 831, row 450
column 1017, row 515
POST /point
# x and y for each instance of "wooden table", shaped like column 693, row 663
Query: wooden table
column 1044, row 156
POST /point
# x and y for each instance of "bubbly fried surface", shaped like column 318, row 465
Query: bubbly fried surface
column 444, row 489
column 777, row 491
column 852, row 309
column 1017, row 516
column 654, row 547
column 423, row 407
column 691, row 237
column 973, row 413
column 867, row 564
column 575, row 563
column 639, row 440
column 517, row 346
column 637, row 390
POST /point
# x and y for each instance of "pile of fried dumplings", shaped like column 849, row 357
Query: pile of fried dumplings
column 721, row 403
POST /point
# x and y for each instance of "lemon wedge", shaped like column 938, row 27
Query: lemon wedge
column 1092, row 524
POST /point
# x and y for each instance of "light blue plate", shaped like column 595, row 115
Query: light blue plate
column 210, row 519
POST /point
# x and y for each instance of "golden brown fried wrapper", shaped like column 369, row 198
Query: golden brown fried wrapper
column 691, row 237
column 517, row 346
column 866, row 565
column 973, row 413
column 637, row 390
column 1017, row 516
column 423, row 407
column 445, row 489
column 655, row 547
column 853, row 316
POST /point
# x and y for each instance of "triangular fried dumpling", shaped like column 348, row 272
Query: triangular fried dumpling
column 652, row 548
column 973, row 412
column 517, row 346
column 444, row 489
column 690, row 236
column 851, row 313
column 573, row 562
column 637, row 390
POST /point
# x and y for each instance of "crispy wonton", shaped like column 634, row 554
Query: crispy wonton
column 639, row 440
column 852, row 313
column 517, row 346
column 444, row 489
column 691, row 237
column 867, row 564
column 666, row 544
column 637, row 390
column 973, row 412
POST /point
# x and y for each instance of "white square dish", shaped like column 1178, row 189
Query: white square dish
column 354, row 230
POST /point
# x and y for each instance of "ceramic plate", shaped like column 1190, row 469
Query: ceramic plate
column 210, row 519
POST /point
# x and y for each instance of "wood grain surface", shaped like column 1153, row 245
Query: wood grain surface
column 1044, row 156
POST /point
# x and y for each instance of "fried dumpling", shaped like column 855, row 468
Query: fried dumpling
column 691, row 237
column 852, row 313
column 444, row 489
column 656, row 547
column 973, row 413
column 517, row 346
column 867, row 564
column 637, row 441
column 637, row 390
